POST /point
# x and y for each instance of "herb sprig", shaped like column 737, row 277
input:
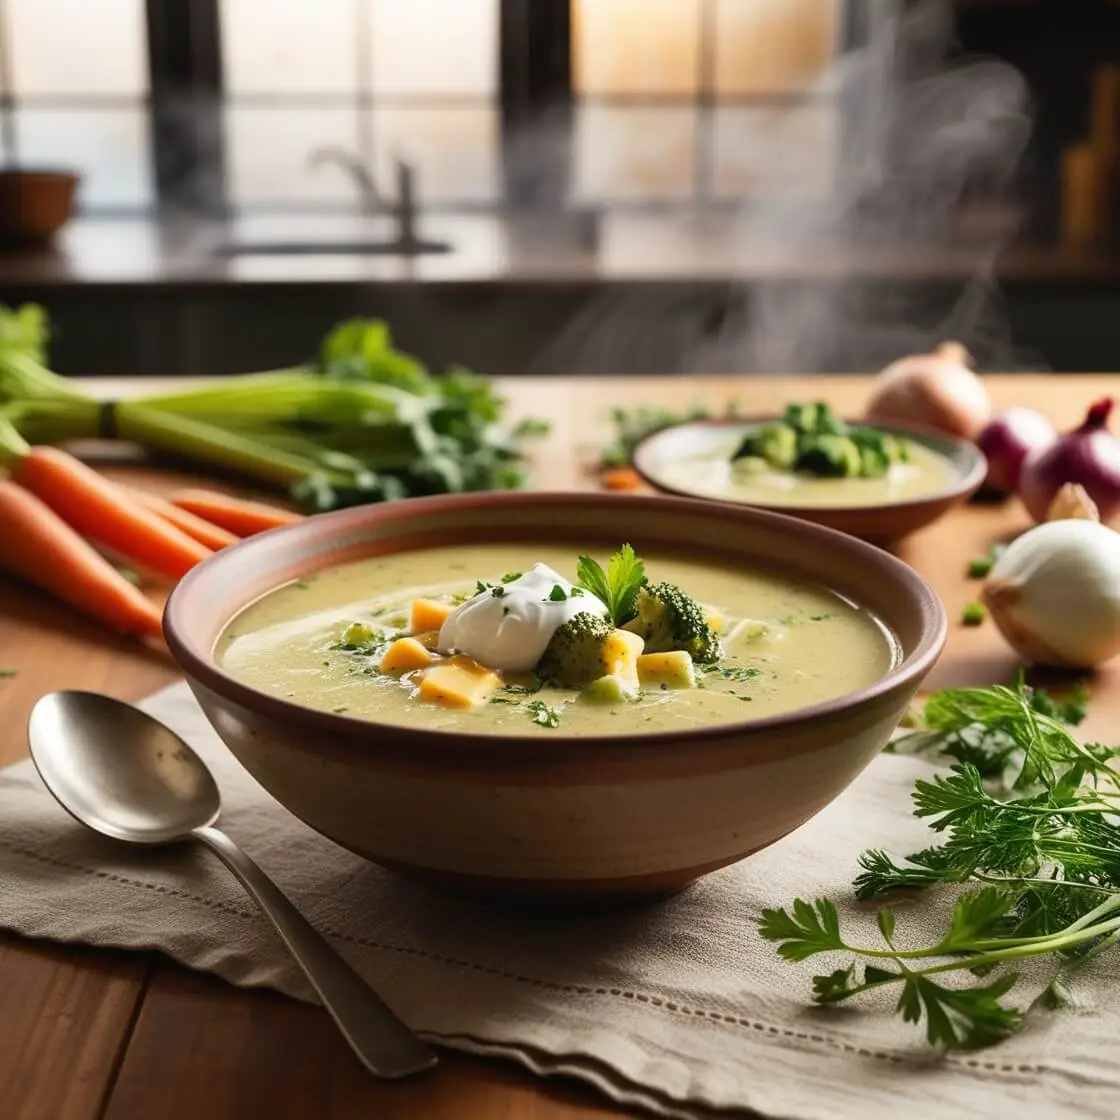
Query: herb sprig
column 1027, row 819
column 618, row 586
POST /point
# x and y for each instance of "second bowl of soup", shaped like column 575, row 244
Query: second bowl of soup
column 559, row 695
column 879, row 483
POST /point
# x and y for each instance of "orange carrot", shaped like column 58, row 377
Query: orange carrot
column 205, row 532
column 238, row 515
column 621, row 478
column 97, row 508
column 38, row 545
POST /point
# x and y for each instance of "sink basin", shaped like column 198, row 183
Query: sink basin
column 410, row 248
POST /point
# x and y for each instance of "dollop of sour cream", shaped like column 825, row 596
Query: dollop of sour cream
column 511, row 631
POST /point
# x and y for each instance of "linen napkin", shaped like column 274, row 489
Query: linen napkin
column 679, row 1009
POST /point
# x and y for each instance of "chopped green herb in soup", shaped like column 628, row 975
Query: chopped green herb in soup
column 523, row 639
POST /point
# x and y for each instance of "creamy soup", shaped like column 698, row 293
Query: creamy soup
column 786, row 645
column 753, row 482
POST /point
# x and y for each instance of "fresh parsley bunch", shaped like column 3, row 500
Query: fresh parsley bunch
column 1028, row 817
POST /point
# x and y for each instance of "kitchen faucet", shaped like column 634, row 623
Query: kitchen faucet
column 373, row 202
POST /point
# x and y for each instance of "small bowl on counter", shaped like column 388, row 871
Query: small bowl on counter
column 554, row 817
column 35, row 203
column 693, row 460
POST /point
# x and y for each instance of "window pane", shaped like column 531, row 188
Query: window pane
column 768, row 47
column 639, row 153
column 455, row 151
column 289, row 46
column 267, row 153
column 107, row 147
column 635, row 46
column 431, row 46
column 77, row 46
column 760, row 150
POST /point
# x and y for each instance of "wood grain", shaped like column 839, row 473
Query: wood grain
column 87, row 1034
column 204, row 1049
column 65, row 1018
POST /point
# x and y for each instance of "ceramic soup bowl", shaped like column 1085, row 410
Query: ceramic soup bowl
column 554, row 817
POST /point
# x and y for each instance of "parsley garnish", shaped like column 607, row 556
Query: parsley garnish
column 481, row 587
column 6, row 674
column 618, row 586
column 1042, row 861
column 556, row 595
column 497, row 592
column 509, row 577
column 360, row 637
column 732, row 673
column 541, row 713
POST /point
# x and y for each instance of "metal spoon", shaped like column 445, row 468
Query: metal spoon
column 124, row 774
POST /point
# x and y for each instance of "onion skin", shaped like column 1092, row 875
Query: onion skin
column 936, row 390
column 1002, row 598
column 1007, row 441
column 1088, row 456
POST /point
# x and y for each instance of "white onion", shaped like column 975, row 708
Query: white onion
column 1055, row 594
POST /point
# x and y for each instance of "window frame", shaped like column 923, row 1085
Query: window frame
column 186, row 98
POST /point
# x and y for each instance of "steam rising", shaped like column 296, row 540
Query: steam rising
column 929, row 145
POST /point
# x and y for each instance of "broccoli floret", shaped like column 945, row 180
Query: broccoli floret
column 829, row 457
column 776, row 443
column 669, row 618
column 577, row 653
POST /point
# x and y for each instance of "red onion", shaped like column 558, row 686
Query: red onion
column 1088, row 456
column 1007, row 441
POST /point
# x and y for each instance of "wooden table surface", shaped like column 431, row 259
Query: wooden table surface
column 87, row 1033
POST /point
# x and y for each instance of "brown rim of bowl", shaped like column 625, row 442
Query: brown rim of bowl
column 56, row 174
column 199, row 664
column 969, row 482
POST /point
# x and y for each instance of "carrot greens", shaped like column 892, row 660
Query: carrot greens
column 1025, row 860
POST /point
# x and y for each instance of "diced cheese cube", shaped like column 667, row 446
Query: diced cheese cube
column 458, row 684
column 666, row 670
column 404, row 655
column 427, row 614
column 620, row 654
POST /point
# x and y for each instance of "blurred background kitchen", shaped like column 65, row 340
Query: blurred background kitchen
column 565, row 185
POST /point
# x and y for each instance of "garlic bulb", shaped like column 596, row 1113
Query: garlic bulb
column 938, row 390
column 1055, row 594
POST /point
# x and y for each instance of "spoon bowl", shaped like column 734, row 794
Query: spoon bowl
column 119, row 771
column 124, row 774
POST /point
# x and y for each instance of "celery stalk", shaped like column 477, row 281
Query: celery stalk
column 181, row 435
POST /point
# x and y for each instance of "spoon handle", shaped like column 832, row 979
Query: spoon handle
column 384, row 1044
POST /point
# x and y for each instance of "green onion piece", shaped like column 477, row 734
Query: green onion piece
column 973, row 614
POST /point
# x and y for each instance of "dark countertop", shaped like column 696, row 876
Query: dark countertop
column 624, row 248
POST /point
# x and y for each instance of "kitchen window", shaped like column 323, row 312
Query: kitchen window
column 220, row 105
